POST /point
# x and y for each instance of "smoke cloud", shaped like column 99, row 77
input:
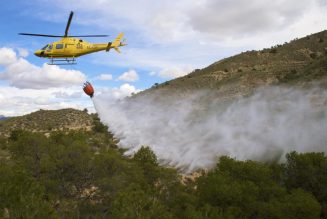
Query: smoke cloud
column 190, row 131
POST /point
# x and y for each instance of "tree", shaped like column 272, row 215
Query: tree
column 28, row 149
column 309, row 172
column 133, row 202
column 67, row 167
column 146, row 156
column 98, row 126
column 21, row 196
column 15, row 134
column 297, row 204
column 147, row 160
column 247, row 189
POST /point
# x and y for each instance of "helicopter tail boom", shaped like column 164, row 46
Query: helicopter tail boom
column 116, row 43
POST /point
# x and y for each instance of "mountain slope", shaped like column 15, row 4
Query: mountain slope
column 298, row 62
column 48, row 120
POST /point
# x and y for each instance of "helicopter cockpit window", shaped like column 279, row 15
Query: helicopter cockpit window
column 49, row 47
column 45, row 47
column 59, row 46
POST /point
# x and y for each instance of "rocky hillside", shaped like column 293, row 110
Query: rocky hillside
column 298, row 62
column 47, row 121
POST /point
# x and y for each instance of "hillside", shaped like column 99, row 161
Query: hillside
column 48, row 120
column 298, row 62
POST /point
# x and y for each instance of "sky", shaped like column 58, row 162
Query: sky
column 166, row 39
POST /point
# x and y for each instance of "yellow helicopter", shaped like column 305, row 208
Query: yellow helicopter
column 66, row 50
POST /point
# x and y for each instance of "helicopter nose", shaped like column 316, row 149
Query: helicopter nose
column 39, row 53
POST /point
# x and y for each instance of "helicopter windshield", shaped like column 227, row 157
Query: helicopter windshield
column 45, row 47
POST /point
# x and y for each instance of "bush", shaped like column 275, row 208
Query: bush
column 247, row 189
column 274, row 50
column 309, row 172
column 146, row 156
column 98, row 126
column 313, row 55
column 21, row 196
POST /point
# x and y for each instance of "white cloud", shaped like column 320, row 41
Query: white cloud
column 129, row 76
column 7, row 56
column 22, row 74
column 173, row 24
column 174, row 72
column 23, row 52
column 239, row 18
column 15, row 101
column 104, row 77
column 68, row 94
column 42, row 101
column 167, row 21
column 124, row 90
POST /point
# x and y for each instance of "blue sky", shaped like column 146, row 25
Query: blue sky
column 166, row 39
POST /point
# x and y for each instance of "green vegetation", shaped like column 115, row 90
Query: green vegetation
column 81, row 174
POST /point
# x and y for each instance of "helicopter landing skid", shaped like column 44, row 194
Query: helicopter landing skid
column 66, row 61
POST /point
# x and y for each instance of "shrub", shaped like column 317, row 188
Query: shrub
column 146, row 155
column 313, row 55
column 274, row 50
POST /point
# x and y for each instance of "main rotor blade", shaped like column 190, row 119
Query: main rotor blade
column 89, row 36
column 68, row 23
column 41, row 35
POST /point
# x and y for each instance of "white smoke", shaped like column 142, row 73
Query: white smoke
column 191, row 131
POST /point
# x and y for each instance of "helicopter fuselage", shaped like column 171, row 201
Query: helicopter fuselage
column 69, row 47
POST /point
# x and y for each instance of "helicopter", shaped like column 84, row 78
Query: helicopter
column 68, row 48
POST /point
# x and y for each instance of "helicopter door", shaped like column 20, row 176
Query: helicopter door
column 59, row 49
